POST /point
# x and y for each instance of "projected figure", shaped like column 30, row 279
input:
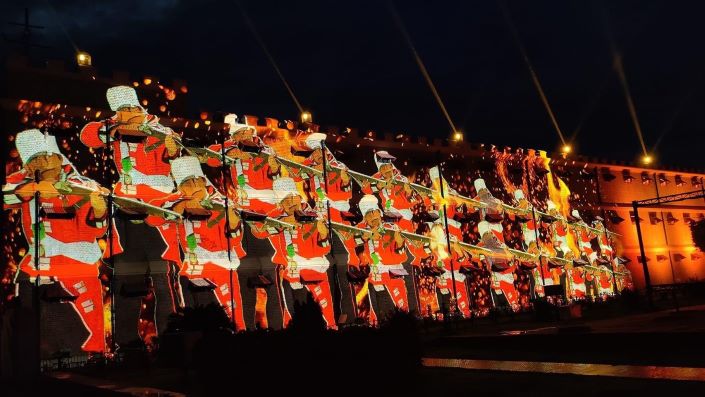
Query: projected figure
column 383, row 252
column 502, row 265
column 69, row 225
column 442, row 258
column 142, row 149
column 205, row 235
column 338, row 183
column 531, row 243
column 624, row 278
column 558, row 232
column 584, row 237
column 605, row 261
column 493, row 211
column 300, row 242
column 397, row 198
column 253, row 167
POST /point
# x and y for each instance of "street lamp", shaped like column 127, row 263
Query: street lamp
column 647, row 159
column 566, row 149
column 457, row 136
column 306, row 117
column 83, row 59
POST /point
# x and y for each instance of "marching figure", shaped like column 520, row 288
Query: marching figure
column 142, row 150
column 253, row 169
column 206, row 234
column 606, row 260
column 300, row 249
column 494, row 210
column 442, row 258
column 502, row 265
column 384, row 254
column 68, row 224
column 529, row 232
column 396, row 197
column 338, row 183
column 584, row 236
column 553, row 275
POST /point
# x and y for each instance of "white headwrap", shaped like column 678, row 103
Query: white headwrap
column 479, row 185
column 121, row 96
column 285, row 187
column 33, row 142
column 368, row 203
column 186, row 167
column 313, row 141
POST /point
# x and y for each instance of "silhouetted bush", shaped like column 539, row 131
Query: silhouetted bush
column 305, row 356
column 545, row 311
column 697, row 229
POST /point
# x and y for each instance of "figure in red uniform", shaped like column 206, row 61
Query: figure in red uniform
column 383, row 252
column 583, row 236
column 251, row 174
column 493, row 211
column 395, row 197
column 529, row 233
column 442, row 257
column 503, row 267
column 558, row 231
column 339, row 189
column 606, row 260
column 299, row 250
column 206, row 234
column 142, row 149
column 68, row 224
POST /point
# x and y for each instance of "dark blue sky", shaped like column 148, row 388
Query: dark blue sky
column 348, row 63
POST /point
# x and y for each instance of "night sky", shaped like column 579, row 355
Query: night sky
column 349, row 64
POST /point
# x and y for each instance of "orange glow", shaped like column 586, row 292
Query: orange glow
column 147, row 81
column 83, row 59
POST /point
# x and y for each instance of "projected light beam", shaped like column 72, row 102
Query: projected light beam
column 269, row 56
column 422, row 67
column 532, row 72
column 619, row 68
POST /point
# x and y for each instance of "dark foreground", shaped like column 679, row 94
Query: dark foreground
column 644, row 353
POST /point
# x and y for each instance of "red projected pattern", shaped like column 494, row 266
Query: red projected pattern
column 127, row 221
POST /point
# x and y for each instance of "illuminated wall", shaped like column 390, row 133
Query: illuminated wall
column 592, row 188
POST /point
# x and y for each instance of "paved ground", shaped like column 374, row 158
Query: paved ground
column 650, row 353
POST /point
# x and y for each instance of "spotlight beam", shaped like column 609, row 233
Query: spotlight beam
column 422, row 67
column 264, row 48
column 619, row 68
column 534, row 76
